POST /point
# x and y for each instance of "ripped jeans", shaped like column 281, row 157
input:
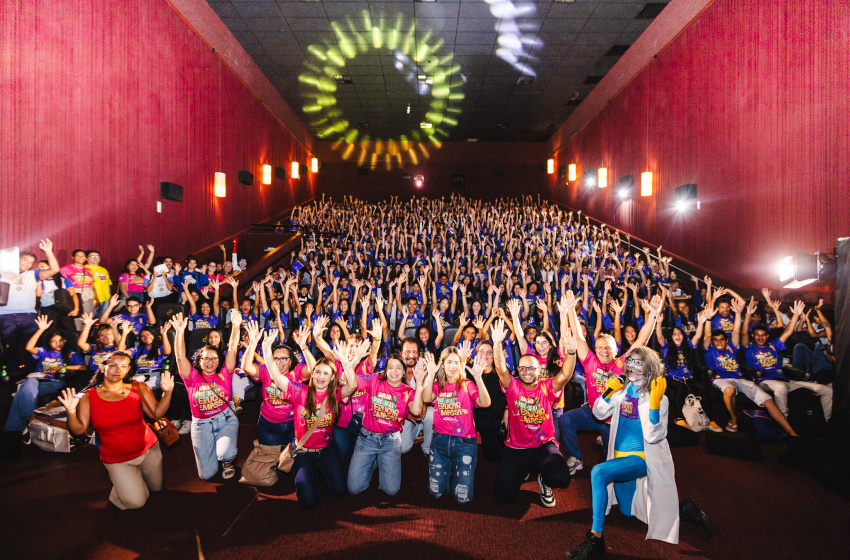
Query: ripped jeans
column 452, row 464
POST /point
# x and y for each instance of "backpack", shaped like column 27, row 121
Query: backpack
column 64, row 301
column 694, row 415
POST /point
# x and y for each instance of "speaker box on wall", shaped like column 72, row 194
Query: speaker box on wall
column 562, row 172
column 170, row 191
column 246, row 177
column 302, row 170
column 457, row 180
column 279, row 173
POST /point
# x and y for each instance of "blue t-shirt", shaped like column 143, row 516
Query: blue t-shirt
column 766, row 359
column 271, row 320
column 726, row 324
column 138, row 321
column 723, row 362
column 682, row 370
column 97, row 356
column 202, row 322
column 146, row 364
column 50, row 361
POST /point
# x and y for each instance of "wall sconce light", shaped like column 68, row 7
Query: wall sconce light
column 267, row 174
column 294, row 174
column 572, row 172
column 314, row 165
column 550, row 166
column 220, row 190
column 602, row 177
column 646, row 183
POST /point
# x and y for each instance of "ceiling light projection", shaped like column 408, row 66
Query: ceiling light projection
column 516, row 37
column 425, row 65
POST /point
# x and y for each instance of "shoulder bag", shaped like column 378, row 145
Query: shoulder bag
column 287, row 456
column 165, row 430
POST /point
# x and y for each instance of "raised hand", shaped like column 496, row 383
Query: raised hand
column 568, row 340
column 656, row 392
column 268, row 342
column 478, row 322
column 253, row 330
column 88, row 320
column 498, row 331
column 180, row 322
column 513, row 307
column 42, row 322
column 752, row 306
column 300, row 336
column 430, row 364
column 465, row 348
column 420, row 372
column 235, row 318
column 737, row 306
column 166, row 382
column 321, row 326
column 46, row 245
column 68, row 398
column 477, row 369
column 798, row 307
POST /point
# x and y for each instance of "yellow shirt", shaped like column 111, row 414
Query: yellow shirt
column 101, row 282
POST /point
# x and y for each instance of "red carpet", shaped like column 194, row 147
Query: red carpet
column 55, row 506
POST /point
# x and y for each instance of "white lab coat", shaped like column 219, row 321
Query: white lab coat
column 656, row 501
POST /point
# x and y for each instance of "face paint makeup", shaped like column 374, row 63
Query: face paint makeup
column 634, row 368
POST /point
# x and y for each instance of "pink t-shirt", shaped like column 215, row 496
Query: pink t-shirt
column 544, row 360
column 453, row 408
column 387, row 405
column 356, row 403
column 597, row 374
column 135, row 282
column 275, row 408
column 530, row 413
column 204, row 399
column 297, row 395
column 81, row 277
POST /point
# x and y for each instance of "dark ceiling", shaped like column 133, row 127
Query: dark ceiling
column 502, row 70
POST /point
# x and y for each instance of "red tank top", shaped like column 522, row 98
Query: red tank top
column 121, row 427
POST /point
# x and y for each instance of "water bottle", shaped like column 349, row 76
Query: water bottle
column 4, row 377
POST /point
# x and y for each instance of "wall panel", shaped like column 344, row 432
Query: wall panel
column 750, row 103
column 101, row 100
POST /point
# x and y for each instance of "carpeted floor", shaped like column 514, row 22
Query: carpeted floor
column 55, row 506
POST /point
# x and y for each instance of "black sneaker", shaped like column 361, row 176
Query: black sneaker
column 690, row 512
column 591, row 548
column 547, row 497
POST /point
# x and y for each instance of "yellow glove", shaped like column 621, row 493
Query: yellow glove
column 656, row 392
column 614, row 384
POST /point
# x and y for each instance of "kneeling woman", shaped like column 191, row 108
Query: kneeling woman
column 317, row 410
column 638, row 474
column 215, row 425
column 128, row 447
column 454, row 447
column 389, row 398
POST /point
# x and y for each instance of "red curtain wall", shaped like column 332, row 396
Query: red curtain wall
column 101, row 100
column 750, row 103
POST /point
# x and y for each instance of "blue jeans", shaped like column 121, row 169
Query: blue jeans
column 26, row 399
column 803, row 356
column 556, row 420
column 309, row 466
column 376, row 450
column 452, row 464
column 214, row 440
column 15, row 330
column 581, row 418
column 344, row 437
column 275, row 433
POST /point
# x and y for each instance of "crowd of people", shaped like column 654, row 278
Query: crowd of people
column 436, row 322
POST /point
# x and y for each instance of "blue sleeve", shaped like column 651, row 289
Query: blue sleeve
column 654, row 415
column 67, row 283
column 778, row 345
column 75, row 359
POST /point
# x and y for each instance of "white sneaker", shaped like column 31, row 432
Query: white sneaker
column 177, row 423
column 185, row 428
column 574, row 465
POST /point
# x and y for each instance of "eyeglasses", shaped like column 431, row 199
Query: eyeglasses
column 527, row 369
column 210, row 359
column 282, row 359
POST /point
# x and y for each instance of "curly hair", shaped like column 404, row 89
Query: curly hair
column 196, row 358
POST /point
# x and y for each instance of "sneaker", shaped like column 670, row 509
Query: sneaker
column 574, row 465
column 599, row 441
column 681, row 422
column 26, row 436
column 528, row 478
column 591, row 548
column 185, row 427
column 714, row 427
column 547, row 497
column 177, row 423
column 690, row 512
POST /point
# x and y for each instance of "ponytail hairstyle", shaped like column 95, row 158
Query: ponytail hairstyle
column 333, row 403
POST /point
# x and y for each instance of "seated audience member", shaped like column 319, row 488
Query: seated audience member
column 133, row 314
column 54, row 363
column 763, row 356
column 720, row 356
column 128, row 447
column 819, row 359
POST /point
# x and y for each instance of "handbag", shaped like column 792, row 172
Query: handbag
column 164, row 430
column 503, row 432
column 63, row 300
column 694, row 414
column 259, row 468
column 287, row 457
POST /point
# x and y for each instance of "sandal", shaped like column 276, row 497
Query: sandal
column 732, row 427
column 228, row 472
